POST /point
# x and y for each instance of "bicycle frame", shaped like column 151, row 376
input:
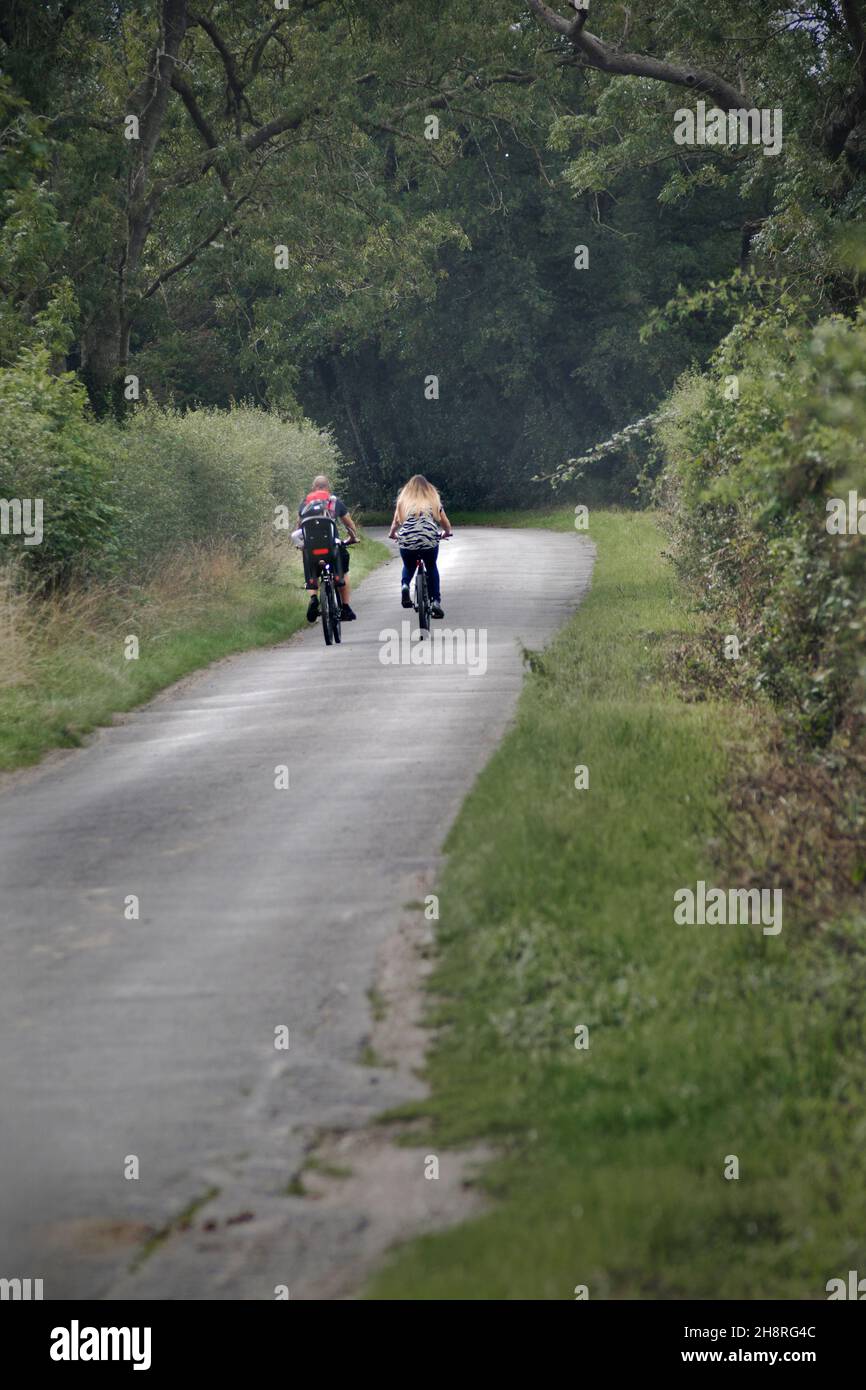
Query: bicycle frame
column 423, row 607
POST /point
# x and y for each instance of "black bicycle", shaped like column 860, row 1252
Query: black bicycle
column 421, row 602
column 330, row 600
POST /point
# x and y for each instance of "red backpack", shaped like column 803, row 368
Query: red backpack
column 319, row 503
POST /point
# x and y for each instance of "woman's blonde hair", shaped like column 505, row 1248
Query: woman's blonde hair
column 416, row 497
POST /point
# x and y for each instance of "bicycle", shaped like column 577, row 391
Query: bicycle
column 421, row 601
column 330, row 602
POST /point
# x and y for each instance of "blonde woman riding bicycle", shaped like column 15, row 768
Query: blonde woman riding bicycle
column 418, row 516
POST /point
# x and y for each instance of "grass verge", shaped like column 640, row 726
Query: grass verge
column 63, row 669
column 705, row 1042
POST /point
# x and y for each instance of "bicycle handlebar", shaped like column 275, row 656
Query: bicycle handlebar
column 440, row 536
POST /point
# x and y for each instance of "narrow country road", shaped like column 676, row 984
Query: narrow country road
column 153, row 1040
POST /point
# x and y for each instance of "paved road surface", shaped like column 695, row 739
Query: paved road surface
column 259, row 907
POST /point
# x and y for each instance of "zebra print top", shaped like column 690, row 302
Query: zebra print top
column 420, row 531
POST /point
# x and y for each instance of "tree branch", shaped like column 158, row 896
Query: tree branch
column 198, row 119
column 594, row 53
column 257, row 138
column 150, row 101
column 853, row 109
column 222, row 49
column 854, row 24
column 236, row 86
column 264, row 40
column 150, row 98
column 224, row 222
column 443, row 98
column 191, row 255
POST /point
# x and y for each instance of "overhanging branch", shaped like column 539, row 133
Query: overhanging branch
column 594, row 53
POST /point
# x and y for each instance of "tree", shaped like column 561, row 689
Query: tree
column 805, row 60
column 834, row 22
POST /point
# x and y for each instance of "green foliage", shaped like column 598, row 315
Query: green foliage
column 24, row 146
column 756, row 447
column 535, row 358
column 118, row 499
column 49, row 451
column 800, row 60
column 408, row 256
column 38, row 305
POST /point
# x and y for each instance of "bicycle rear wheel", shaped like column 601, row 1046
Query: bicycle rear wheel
column 326, row 611
column 422, row 599
column 336, row 608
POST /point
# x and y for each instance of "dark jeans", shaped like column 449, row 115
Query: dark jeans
column 410, row 561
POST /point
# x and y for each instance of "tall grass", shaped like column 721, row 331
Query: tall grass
column 62, row 658
column 16, row 629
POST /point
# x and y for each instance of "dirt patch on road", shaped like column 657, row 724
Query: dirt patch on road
column 400, row 1188
column 94, row 1238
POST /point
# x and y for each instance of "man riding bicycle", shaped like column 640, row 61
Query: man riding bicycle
column 320, row 501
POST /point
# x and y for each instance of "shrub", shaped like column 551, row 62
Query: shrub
column 755, row 448
column 48, row 450
column 118, row 499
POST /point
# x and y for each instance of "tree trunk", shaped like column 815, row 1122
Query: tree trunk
column 351, row 414
column 105, row 345
column 101, row 367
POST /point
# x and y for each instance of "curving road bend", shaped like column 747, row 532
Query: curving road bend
column 151, row 1040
